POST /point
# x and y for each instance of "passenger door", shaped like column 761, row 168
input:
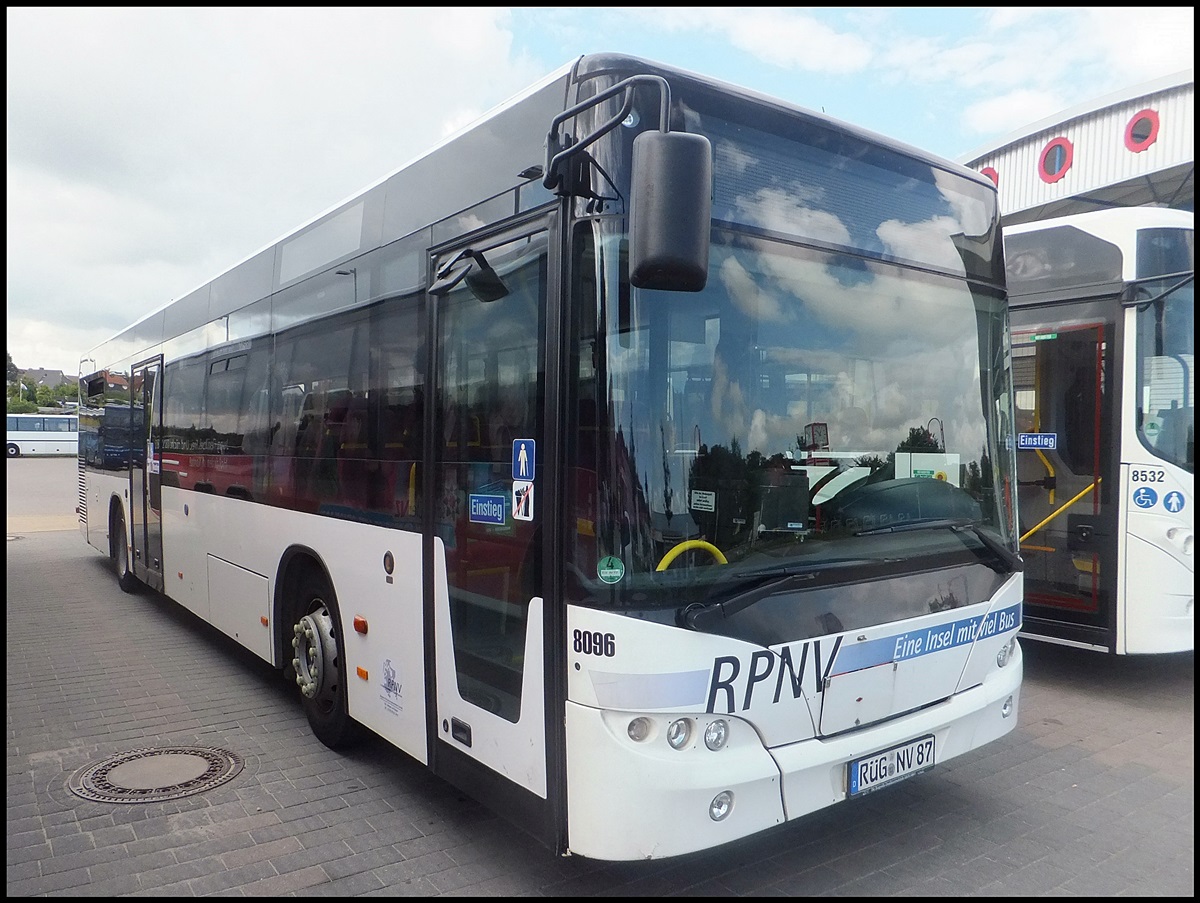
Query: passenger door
column 489, row 301
column 1066, row 454
column 145, row 499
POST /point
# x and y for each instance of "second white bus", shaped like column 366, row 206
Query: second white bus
column 42, row 434
column 1103, row 320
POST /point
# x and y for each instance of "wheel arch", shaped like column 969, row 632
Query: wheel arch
column 116, row 507
column 296, row 561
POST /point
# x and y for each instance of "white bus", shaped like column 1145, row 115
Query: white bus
column 43, row 434
column 1103, row 316
column 531, row 460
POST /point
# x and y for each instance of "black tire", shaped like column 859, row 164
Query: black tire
column 319, row 662
column 14, row 450
column 119, row 552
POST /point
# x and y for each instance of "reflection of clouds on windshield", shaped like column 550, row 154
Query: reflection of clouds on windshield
column 760, row 436
column 730, row 156
column 973, row 215
column 876, row 302
column 897, row 351
column 728, row 401
column 927, row 242
column 791, row 212
column 868, row 300
column 747, row 294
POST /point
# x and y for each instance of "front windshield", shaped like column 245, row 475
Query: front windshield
column 807, row 408
column 834, row 406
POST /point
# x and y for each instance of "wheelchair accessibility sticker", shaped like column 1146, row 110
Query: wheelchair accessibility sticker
column 1145, row 497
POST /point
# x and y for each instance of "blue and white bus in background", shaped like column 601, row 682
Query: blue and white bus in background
column 42, row 434
column 1104, row 343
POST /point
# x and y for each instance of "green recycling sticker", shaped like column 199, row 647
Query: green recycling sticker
column 610, row 569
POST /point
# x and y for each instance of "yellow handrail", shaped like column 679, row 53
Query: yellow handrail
column 691, row 544
column 1084, row 492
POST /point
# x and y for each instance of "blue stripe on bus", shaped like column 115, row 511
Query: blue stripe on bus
column 915, row 643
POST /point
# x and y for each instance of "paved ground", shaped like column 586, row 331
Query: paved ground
column 1092, row 794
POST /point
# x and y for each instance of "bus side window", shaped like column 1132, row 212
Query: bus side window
column 400, row 431
column 309, row 426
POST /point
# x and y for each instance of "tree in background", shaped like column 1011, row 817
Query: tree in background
column 25, row 398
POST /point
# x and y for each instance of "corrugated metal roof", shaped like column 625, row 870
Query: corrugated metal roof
column 1132, row 148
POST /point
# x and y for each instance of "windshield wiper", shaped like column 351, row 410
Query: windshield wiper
column 764, row 583
column 1010, row 559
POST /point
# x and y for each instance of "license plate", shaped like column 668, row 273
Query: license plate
column 891, row 765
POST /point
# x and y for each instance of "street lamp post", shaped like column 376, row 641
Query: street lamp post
column 941, row 429
column 351, row 271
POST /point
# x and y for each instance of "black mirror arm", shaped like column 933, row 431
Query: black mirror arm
column 559, row 148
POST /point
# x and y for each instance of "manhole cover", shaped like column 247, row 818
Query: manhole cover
column 154, row 775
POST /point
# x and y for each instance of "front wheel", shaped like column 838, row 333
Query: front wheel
column 119, row 552
column 319, row 663
column 14, row 450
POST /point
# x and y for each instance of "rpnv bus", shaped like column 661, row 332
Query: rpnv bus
column 43, row 434
column 1103, row 316
column 640, row 460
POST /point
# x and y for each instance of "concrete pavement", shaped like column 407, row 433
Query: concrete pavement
column 1092, row 794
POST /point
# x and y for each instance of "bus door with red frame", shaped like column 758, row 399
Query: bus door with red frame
column 1066, row 467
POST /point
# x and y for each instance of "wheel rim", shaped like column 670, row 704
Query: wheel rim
column 315, row 661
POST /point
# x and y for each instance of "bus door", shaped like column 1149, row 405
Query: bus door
column 145, row 494
column 488, row 501
column 1066, row 478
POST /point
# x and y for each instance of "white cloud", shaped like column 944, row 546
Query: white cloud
column 782, row 37
column 786, row 38
column 148, row 150
column 1023, row 64
column 1009, row 112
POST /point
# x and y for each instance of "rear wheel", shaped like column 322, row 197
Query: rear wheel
column 14, row 450
column 119, row 552
column 319, row 663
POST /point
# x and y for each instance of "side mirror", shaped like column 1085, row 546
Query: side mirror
column 670, row 218
column 483, row 281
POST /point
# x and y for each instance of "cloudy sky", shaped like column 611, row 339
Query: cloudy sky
column 149, row 150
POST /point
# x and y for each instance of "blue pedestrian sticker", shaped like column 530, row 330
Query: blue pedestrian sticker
column 1145, row 497
column 524, row 459
column 1173, row 501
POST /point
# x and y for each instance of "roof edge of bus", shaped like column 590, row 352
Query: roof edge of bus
column 819, row 115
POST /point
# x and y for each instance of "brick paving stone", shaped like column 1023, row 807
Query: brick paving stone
column 1092, row 794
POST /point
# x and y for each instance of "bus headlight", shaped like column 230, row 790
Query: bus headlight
column 1006, row 653
column 716, row 734
column 639, row 729
column 721, row 805
column 679, row 732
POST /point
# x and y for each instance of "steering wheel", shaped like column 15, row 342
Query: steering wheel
column 691, row 544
